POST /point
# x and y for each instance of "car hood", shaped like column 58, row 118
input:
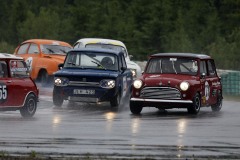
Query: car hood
column 167, row 79
column 86, row 73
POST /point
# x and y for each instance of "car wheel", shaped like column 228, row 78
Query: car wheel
column 44, row 78
column 195, row 107
column 57, row 99
column 30, row 106
column 217, row 107
column 135, row 108
column 115, row 102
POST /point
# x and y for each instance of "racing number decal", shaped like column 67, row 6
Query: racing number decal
column 3, row 93
column 207, row 90
column 29, row 63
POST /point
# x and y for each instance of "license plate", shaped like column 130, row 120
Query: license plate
column 83, row 91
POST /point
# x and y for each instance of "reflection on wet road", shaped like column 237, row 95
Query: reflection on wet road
column 98, row 130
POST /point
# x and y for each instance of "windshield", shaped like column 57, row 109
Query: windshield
column 91, row 60
column 108, row 46
column 54, row 49
column 172, row 66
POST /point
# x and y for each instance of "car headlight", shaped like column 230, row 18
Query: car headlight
column 184, row 86
column 107, row 83
column 60, row 81
column 137, row 84
column 134, row 73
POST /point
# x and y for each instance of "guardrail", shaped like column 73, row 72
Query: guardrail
column 230, row 82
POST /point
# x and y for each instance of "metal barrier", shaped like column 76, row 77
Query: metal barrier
column 230, row 82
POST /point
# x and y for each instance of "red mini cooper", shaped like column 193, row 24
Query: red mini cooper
column 17, row 89
column 177, row 80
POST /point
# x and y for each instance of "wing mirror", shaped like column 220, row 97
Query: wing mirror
column 203, row 75
column 60, row 66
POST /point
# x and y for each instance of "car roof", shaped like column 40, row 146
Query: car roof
column 96, row 50
column 101, row 40
column 9, row 56
column 47, row 41
column 187, row 55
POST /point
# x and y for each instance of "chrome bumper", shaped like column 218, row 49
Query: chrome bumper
column 161, row 100
column 83, row 99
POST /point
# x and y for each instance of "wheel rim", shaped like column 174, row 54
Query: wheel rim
column 31, row 106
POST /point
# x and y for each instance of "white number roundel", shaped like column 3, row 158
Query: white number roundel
column 3, row 92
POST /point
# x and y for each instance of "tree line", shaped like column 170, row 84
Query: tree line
column 146, row 26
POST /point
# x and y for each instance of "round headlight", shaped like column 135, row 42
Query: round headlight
column 57, row 81
column 184, row 86
column 137, row 84
column 133, row 72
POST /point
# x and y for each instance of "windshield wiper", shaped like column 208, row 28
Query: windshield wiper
column 50, row 50
column 98, row 64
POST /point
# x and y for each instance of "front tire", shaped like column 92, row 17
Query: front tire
column 115, row 102
column 195, row 108
column 135, row 108
column 57, row 99
column 30, row 106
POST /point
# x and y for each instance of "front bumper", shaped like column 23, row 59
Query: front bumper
column 165, row 103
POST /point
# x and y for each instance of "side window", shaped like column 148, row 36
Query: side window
column 33, row 49
column 203, row 68
column 3, row 69
column 18, row 69
column 76, row 45
column 211, row 68
column 123, row 61
column 23, row 49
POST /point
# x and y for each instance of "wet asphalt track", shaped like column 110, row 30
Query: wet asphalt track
column 98, row 132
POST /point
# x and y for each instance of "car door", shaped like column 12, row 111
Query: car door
column 7, row 93
column 213, row 82
column 125, row 76
column 20, row 81
column 204, row 82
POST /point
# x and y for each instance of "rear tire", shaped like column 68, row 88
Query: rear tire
column 135, row 108
column 218, row 106
column 30, row 106
column 195, row 108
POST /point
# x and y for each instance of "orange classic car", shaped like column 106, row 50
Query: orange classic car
column 43, row 57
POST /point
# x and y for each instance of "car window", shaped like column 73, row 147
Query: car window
column 3, row 69
column 123, row 62
column 23, row 49
column 33, row 49
column 203, row 68
column 172, row 65
column 92, row 60
column 18, row 69
column 211, row 68
column 108, row 46
column 54, row 49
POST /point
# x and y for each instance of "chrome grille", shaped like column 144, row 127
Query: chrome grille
column 160, row 93
column 78, row 83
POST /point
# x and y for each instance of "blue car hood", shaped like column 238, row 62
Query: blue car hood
column 86, row 73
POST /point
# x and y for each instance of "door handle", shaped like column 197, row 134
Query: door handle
column 9, row 81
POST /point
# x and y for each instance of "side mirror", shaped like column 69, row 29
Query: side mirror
column 130, row 56
column 123, row 68
column 203, row 75
column 60, row 66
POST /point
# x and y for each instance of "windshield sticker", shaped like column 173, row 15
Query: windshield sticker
column 173, row 59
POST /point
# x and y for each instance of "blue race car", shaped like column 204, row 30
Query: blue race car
column 92, row 75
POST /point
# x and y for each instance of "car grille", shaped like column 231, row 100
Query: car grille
column 160, row 93
column 78, row 83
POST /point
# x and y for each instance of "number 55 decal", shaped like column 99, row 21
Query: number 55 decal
column 3, row 92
